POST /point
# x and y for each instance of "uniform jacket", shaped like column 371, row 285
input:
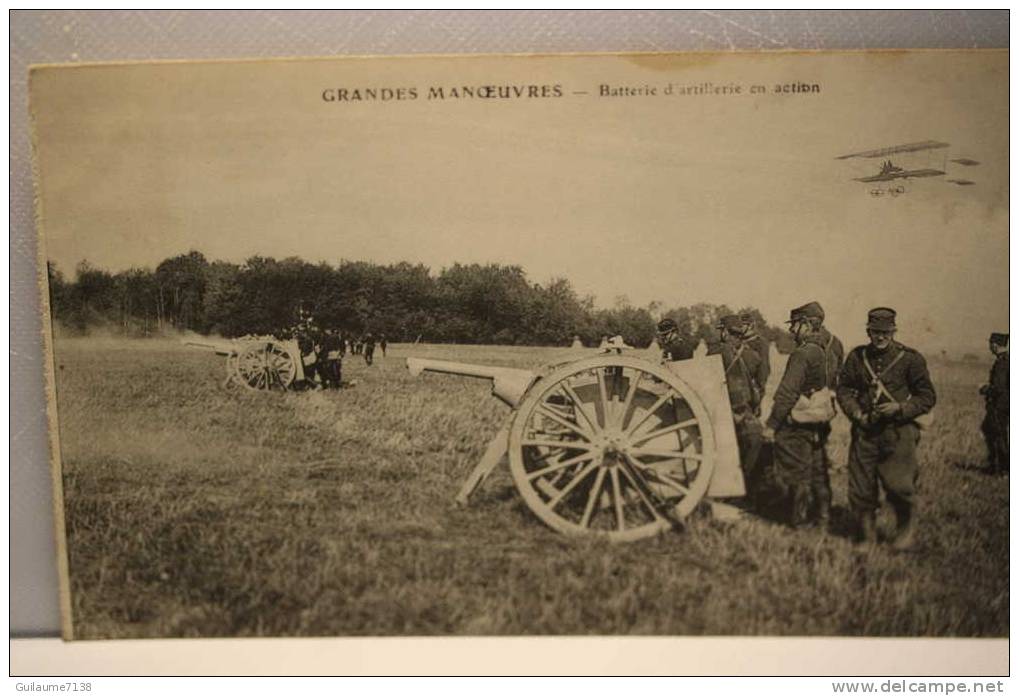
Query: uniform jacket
column 907, row 380
column 814, row 365
column 997, row 388
column 760, row 346
column 677, row 349
column 332, row 343
column 741, row 367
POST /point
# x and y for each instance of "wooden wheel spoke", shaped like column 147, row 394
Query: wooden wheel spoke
column 663, row 452
column 662, row 431
column 628, row 400
column 559, row 465
column 650, row 412
column 606, row 405
column 578, row 406
column 575, row 427
column 563, row 444
column 662, row 477
column 617, row 497
column 641, row 493
column 592, row 497
column 581, row 475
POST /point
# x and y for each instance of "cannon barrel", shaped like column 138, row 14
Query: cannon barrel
column 509, row 384
column 217, row 348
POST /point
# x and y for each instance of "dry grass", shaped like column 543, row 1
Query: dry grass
column 195, row 511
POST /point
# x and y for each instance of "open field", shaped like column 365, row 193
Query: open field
column 198, row 511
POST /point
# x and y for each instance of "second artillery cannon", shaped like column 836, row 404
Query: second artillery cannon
column 610, row 445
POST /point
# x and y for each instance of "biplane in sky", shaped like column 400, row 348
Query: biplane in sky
column 920, row 165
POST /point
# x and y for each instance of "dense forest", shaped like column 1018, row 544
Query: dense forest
column 459, row 304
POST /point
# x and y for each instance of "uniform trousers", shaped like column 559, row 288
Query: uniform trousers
column 995, row 429
column 885, row 455
column 801, row 467
column 749, row 441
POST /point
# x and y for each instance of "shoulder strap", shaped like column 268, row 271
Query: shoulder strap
column 736, row 358
column 876, row 378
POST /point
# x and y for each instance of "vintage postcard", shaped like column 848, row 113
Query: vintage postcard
column 658, row 344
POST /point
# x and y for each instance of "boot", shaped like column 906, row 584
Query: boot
column 867, row 527
column 905, row 529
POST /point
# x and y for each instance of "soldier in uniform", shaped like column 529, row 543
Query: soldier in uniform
column 800, row 443
column 383, row 343
column 306, row 333
column 330, row 359
column 883, row 388
column 369, row 348
column 672, row 344
column 750, row 337
column 741, row 363
column 995, row 392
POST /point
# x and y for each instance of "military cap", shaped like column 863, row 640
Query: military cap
column 730, row 322
column 811, row 310
column 881, row 319
column 667, row 325
column 999, row 339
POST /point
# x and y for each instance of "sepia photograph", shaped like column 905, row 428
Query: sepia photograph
column 651, row 344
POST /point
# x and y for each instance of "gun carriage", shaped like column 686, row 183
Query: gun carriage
column 610, row 445
column 261, row 363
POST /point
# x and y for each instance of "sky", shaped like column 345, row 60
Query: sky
column 735, row 199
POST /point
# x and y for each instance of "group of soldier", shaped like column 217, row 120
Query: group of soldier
column 322, row 351
column 883, row 388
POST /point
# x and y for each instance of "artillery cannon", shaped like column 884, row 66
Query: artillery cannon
column 261, row 363
column 610, row 445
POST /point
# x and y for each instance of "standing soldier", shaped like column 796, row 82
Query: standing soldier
column 672, row 344
column 330, row 359
column 741, row 363
column 760, row 345
column 883, row 389
column 369, row 348
column 799, row 423
column 383, row 343
column 995, row 392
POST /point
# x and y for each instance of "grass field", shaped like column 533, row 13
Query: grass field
column 198, row 511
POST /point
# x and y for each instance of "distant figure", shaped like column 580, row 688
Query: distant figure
column 576, row 343
column 673, row 346
column 383, row 343
column 701, row 350
column 368, row 341
column 603, row 344
column 883, row 388
column 995, row 393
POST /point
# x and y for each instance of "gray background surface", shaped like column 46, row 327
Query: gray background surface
column 68, row 37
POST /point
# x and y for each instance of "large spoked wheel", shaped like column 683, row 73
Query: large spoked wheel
column 265, row 365
column 612, row 446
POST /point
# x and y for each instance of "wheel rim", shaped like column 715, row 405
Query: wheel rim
column 611, row 446
column 265, row 365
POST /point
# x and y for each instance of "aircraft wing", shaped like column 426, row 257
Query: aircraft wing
column 906, row 174
column 908, row 147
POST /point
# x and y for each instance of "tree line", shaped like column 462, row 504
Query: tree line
column 464, row 303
